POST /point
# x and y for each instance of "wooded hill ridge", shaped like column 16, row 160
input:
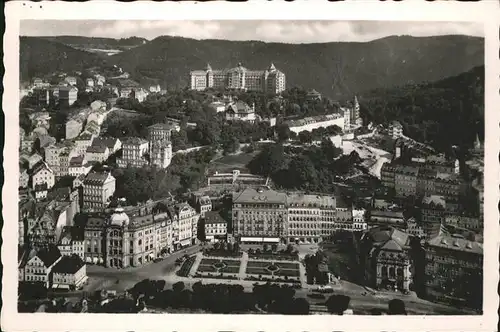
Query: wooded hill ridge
column 337, row 69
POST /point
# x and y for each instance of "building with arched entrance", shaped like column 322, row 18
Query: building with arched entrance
column 387, row 259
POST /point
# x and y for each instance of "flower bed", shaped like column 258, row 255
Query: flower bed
column 258, row 270
column 274, row 257
column 216, row 276
column 288, row 266
column 222, row 253
column 209, row 261
column 267, row 279
column 288, row 273
column 186, row 267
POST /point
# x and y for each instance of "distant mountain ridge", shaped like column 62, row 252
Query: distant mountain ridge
column 98, row 42
column 337, row 69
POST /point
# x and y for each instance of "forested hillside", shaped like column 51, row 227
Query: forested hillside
column 337, row 69
column 443, row 113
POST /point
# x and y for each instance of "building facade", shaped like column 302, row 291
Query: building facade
column 270, row 80
column 454, row 270
column 259, row 214
column 97, row 191
column 160, row 144
column 133, row 152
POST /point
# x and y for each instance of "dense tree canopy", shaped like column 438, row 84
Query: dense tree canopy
column 444, row 113
column 311, row 169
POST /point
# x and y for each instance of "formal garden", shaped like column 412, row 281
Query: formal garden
column 273, row 271
column 218, row 268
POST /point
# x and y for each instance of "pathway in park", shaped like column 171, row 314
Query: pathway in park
column 194, row 268
column 243, row 266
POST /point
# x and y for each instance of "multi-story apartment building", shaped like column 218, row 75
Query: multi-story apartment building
column 43, row 174
column 24, row 179
column 454, row 270
column 133, row 236
column 113, row 144
column 68, row 95
column 36, row 265
column 82, row 142
column 405, row 181
column 203, row 205
column 422, row 178
column 78, row 165
column 133, row 151
column 474, row 223
column 72, row 242
column 311, row 217
column 69, row 273
column 215, row 226
column 97, row 153
column 259, row 215
column 433, row 213
column 97, row 191
column 94, row 245
column 395, row 129
column 160, row 145
column 270, row 80
column 188, row 223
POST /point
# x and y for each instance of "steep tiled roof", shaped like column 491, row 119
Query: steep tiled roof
column 109, row 142
column 68, row 265
column 97, row 149
column 214, row 217
column 49, row 255
column 96, row 178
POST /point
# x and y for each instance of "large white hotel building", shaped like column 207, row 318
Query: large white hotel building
column 270, row 80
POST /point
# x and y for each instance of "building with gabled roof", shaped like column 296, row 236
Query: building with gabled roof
column 240, row 111
column 43, row 174
column 36, row 265
column 97, row 153
column 69, row 273
column 113, row 144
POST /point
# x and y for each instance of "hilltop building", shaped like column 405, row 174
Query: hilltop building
column 270, row 80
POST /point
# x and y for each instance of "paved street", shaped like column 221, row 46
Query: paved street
column 106, row 278
column 101, row 277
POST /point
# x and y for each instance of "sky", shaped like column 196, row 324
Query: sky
column 269, row 31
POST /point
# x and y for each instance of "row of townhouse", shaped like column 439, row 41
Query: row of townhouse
column 133, row 236
column 47, row 266
column 158, row 146
column 419, row 180
column 263, row 215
